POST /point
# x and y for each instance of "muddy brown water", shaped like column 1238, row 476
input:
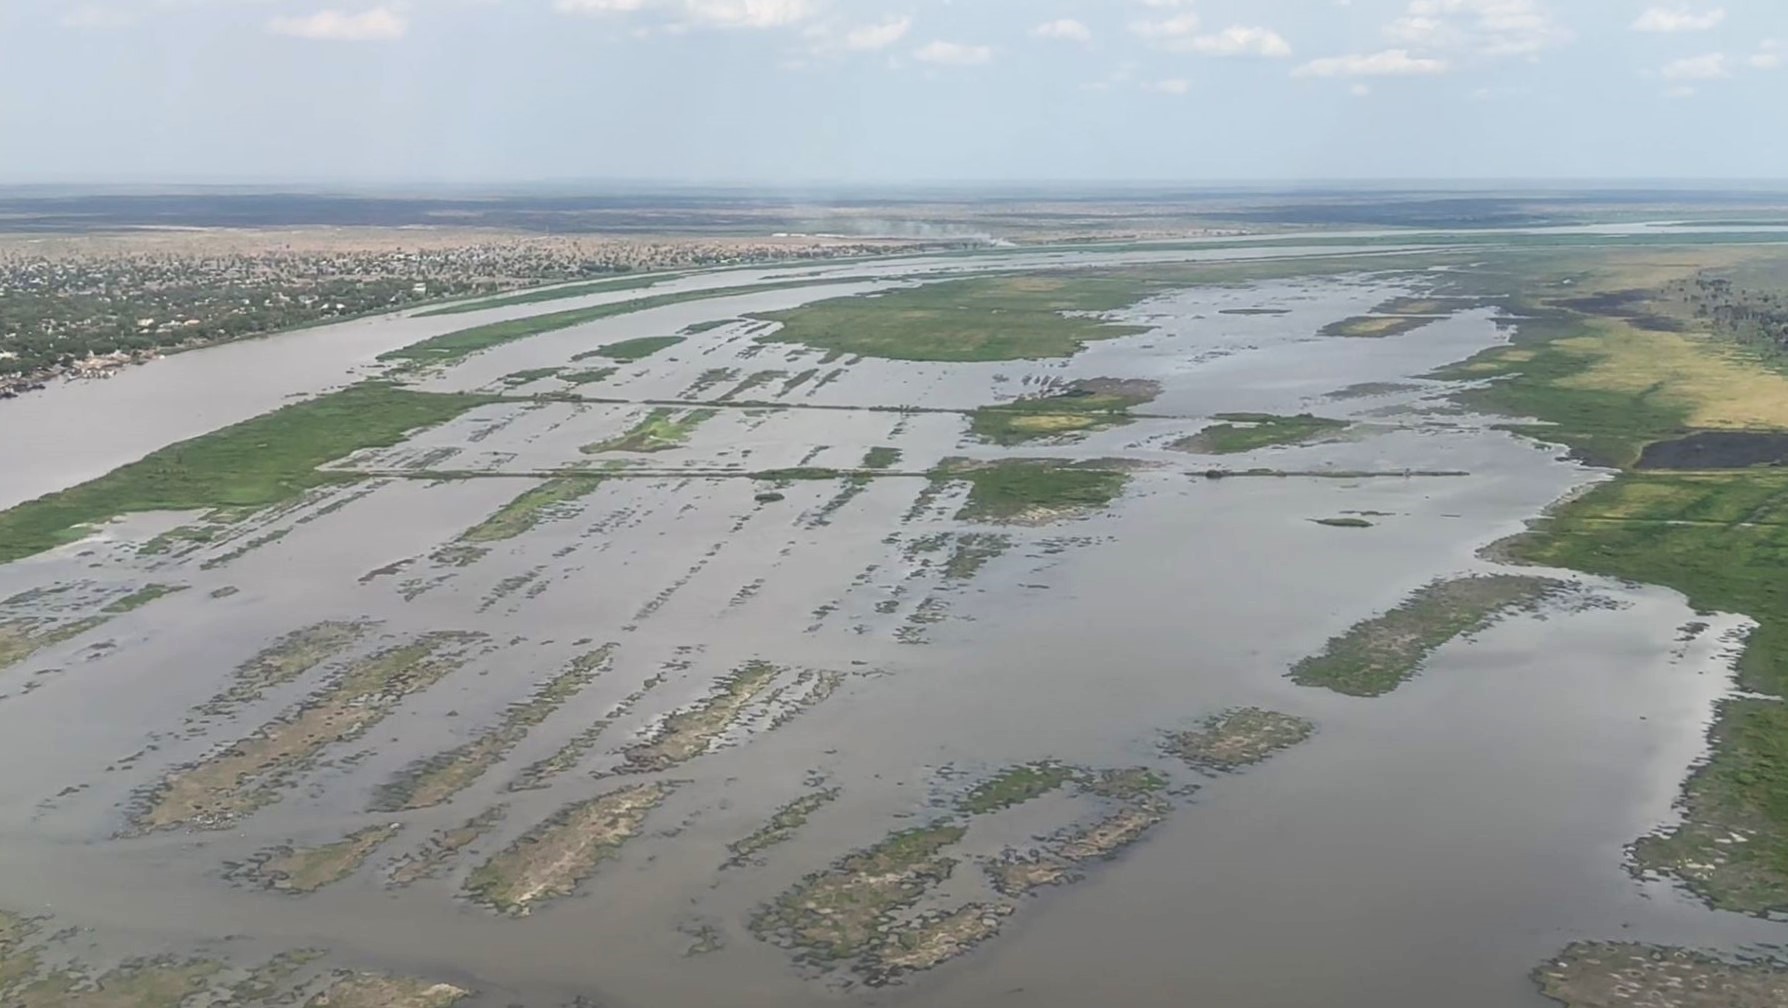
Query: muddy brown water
column 1426, row 847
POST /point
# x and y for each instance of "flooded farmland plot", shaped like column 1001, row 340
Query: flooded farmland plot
column 954, row 632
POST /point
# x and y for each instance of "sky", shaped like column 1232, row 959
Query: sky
column 889, row 91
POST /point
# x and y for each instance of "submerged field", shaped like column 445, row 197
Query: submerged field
column 776, row 643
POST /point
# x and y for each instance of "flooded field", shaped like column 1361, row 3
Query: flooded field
column 715, row 654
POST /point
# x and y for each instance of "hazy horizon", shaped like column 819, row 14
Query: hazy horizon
column 887, row 92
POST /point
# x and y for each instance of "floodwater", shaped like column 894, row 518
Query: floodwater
column 1426, row 847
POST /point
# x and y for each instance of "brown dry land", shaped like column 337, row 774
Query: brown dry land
column 434, row 780
column 554, row 857
column 843, row 912
column 217, row 791
column 935, row 939
column 367, row 990
column 439, row 851
column 689, row 732
column 1645, row 976
column 1239, row 738
column 284, row 661
column 303, row 870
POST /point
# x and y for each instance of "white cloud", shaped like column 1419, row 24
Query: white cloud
column 381, row 24
column 953, row 54
column 1174, row 32
column 1767, row 57
column 1172, row 86
column 1063, row 28
column 1389, row 63
column 1680, row 18
column 1238, row 40
column 702, row 13
column 1484, row 27
column 748, row 13
column 1711, row 66
column 880, row 36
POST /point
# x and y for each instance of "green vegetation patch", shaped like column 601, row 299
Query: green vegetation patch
column 455, row 346
column 271, row 459
column 148, row 983
column 781, row 826
column 1015, row 786
column 431, row 781
column 628, row 351
column 881, row 457
column 1033, row 491
column 550, row 501
column 1375, row 326
column 300, row 871
column 798, row 474
column 661, row 430
column 974, row 551
column 973, row 319
column 1090, row 405
column 1245, row 432
column 1380, row 654
column 1239, row 738
column 549, row 294
column 530, row 375
column 591, row 376
column 842, row 912
column 1588, row 975
column 1722, row 540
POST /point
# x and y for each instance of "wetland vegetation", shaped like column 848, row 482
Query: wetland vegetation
column 1643, row 976
column 217, row 791
column 271, row 459
column 660, row 430
column 1084, row 406
column 1380, row 654
column 1239, row 738
column 977, row 319
column 1246, row 432
column 781, row 827
column 433, row 780
column 553, row 858
column 1032, row 491
column 552, row 500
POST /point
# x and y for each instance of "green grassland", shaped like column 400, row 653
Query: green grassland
column 452, row 347
column 268, row 460
column 1245, row 432
column 549, row 294
column 977, row 319
column 1033, row 491
column 1607, row 386
column 535, row 505
column 633, row 349
column 1722, row 540
column 1378, row 655
column 660, row 430
column 1085, row 406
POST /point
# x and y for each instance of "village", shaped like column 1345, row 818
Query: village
column 87, row 306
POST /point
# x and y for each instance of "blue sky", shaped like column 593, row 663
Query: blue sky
column 877, row 91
